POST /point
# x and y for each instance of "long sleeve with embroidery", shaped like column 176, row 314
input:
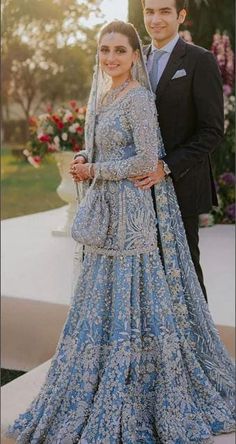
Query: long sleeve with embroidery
column 128, row 130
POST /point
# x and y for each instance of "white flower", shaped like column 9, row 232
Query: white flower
column 43, row 117
column 226, row 124
column 56, row 140
column 72, row 128
column 64, row 137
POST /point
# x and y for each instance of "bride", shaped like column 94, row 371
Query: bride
column 139, row 360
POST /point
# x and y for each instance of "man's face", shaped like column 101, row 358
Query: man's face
column 162, row 20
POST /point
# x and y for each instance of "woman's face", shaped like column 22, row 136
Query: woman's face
column 116, row 55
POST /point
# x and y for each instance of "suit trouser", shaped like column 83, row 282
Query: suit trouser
column 191, row 225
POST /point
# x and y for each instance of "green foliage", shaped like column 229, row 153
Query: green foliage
column 224, row 157
column 9, row 375
column 48, row 53
column 204, row 18
column 135, row 16
column 208, row 17
column 226, row 196
column 26, row 190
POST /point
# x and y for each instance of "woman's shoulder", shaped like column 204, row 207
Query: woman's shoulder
column 139, row 92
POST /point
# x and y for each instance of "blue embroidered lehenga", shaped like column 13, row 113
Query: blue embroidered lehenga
column 139, row 360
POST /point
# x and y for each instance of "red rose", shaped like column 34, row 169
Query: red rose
column 55, row 118
column 45, row 138
column 37, row 159
column 80, row 130
column 60, row 124
column 52, row 149
column 76, row 147
column 33, row 121
column 73, row 103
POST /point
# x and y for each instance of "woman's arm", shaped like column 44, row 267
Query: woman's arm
column 142, row 120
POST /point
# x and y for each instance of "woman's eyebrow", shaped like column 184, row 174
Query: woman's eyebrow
column 117, row 47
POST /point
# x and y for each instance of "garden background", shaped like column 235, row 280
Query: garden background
column 48, row 50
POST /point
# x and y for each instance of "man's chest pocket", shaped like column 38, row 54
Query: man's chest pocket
column 179, row 87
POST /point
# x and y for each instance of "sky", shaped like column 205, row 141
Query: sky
column 111, row 9
column 115, row 9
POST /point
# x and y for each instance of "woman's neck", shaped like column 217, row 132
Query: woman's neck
column 118, row 81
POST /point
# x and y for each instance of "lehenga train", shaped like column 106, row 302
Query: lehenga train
column 139, row 360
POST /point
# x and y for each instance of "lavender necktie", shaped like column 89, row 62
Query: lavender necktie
column 153, row 74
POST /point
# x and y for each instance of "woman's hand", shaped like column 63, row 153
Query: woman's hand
column 80, row 170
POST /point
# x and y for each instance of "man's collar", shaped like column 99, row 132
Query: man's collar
column 168, row 47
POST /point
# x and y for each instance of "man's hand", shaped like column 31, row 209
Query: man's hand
column 146, row 181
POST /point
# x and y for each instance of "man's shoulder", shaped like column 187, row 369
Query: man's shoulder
column 195, row 50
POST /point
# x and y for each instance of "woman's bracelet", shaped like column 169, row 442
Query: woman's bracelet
column 91, row 171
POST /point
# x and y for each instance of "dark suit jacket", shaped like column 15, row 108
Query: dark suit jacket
column 191, row 117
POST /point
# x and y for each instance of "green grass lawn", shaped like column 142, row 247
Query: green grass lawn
column 25, row 189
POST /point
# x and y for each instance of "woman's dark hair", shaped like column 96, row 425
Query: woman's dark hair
column 180, row 4
column 123, row 28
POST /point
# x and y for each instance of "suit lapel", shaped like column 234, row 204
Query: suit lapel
column 173, row 63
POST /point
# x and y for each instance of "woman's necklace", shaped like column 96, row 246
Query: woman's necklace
column 113, row 93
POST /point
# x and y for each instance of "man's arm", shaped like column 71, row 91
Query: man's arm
column 208, row 99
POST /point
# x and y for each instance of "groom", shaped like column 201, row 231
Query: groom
column 189, row 102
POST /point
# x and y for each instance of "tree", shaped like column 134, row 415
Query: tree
column 135, row 14
column 204, row 18
column 46, row 48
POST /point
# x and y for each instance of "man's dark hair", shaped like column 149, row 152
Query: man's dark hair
column 180, row 4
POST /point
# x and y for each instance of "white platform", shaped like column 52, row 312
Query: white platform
column 38, row 266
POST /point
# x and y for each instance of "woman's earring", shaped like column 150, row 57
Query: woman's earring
column 133, row 70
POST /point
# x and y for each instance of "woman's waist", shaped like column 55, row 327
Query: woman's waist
column 124, row 187
column 114, row 153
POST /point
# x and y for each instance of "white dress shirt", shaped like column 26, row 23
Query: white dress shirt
column 168, row 48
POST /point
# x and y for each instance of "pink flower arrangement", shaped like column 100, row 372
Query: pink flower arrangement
column 221, row 48
column 56, row 131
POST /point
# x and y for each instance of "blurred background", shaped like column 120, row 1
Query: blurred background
column 48, row 49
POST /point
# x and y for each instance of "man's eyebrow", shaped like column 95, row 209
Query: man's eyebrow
column 167, row 8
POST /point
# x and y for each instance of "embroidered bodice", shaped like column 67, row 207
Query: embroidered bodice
column 127, row 141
